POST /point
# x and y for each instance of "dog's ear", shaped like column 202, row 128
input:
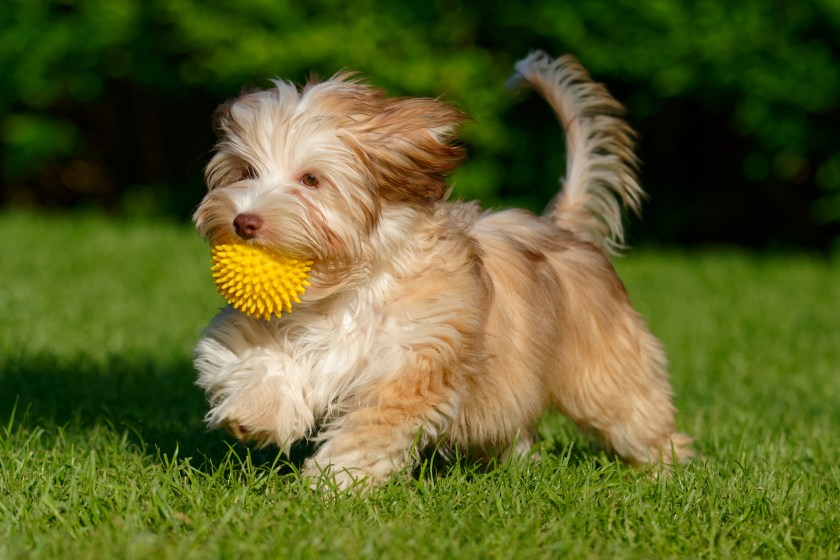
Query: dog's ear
column 410, row 146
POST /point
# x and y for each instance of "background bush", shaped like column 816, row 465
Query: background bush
column 106, row 103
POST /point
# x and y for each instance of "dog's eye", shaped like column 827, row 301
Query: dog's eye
column 310, row 180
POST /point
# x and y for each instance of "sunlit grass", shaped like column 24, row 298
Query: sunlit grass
column 103, row 452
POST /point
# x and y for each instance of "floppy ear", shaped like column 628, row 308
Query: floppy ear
column 409, row 146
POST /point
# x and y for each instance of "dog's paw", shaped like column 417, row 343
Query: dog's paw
column 330, row 480
column 358, row 469
column 267, row 413
column 260, row 434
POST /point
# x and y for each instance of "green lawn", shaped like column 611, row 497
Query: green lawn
column 103, row 453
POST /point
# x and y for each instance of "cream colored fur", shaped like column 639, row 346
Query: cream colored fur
column 428, row 323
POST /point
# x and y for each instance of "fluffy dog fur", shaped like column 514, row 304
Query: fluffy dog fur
column 428, row 322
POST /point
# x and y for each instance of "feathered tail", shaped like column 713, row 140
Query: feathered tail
column 601, row 163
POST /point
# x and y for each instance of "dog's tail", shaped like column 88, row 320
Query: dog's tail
column 601, row 163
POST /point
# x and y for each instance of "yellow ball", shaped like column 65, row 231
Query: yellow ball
column 257, row 281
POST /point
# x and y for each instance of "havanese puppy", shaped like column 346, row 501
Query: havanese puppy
column 428, row 323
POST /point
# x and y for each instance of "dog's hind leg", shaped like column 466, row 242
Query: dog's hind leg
column 618, row 390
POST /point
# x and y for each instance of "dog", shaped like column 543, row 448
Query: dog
column 428, row 323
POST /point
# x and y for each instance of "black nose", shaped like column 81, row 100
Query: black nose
column 247, row 225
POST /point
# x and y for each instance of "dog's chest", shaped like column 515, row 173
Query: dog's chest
column 342, row 353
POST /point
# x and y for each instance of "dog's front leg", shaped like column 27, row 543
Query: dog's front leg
column 408, row 414
column 252, row 388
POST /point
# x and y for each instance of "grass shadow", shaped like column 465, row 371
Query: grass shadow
column 155, row 403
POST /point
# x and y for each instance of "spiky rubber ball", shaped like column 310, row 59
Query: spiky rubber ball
column 258, row 281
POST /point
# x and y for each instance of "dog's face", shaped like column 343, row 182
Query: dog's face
column 307, row 171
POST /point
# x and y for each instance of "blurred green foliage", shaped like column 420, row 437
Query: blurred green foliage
column 103, row 102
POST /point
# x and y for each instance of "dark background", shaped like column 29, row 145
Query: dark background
column 106, row 104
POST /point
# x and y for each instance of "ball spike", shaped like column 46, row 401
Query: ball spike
column 257, row 281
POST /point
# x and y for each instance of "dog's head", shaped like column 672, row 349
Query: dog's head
column 308, row 170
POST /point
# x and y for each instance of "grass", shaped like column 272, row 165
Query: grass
column 103, row 452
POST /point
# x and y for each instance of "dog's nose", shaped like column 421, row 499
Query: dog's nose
column 247, row 225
